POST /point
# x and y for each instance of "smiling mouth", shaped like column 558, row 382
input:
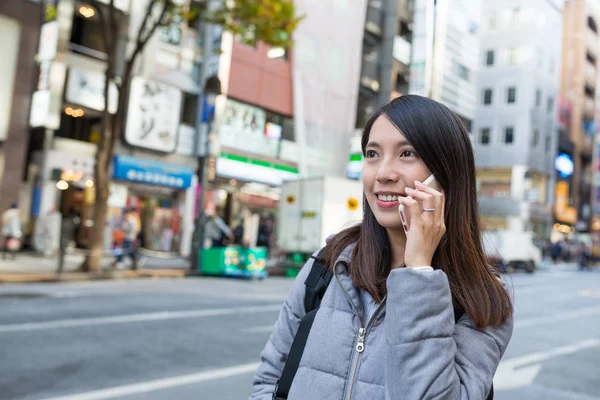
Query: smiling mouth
column 388, row 197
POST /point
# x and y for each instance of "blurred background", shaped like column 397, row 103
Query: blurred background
column 194, row 141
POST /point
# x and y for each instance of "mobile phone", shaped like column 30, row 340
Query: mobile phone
column 405, row 214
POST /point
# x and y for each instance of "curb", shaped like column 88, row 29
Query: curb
column 88, row 276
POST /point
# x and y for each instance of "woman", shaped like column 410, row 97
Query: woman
column 394, row 292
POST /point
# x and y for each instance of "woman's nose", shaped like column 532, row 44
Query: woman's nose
column 387, row 172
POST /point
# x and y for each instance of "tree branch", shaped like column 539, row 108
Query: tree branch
column 144, row 21
column 140, row 44
column 112, row 23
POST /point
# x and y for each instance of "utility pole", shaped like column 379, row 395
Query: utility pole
column 211, row 87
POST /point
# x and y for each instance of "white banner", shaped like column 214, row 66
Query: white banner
column 153, row 115
column 86, row 88
column 243, row 128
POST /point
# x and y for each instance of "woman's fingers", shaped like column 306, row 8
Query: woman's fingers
column 415, row 210
column 439, row 199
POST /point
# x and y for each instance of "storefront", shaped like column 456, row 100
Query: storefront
column 161, row 194
column 63, row 185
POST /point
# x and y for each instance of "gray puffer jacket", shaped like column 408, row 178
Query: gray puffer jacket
column 413, row 349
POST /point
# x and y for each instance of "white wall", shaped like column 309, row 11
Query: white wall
column 10, row 31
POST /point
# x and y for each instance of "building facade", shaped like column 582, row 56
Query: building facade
column 445, row 54
column 154, row 167
column 581, row 50
column 515, row 131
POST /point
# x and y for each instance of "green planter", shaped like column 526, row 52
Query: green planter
column 234, row 261
column 220, row 261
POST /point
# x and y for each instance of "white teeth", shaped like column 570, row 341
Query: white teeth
column 387, row 198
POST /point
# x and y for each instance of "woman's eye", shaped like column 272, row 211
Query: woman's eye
column 407, row 153
column 371, row 154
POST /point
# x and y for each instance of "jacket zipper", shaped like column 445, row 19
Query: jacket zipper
column 360, row 342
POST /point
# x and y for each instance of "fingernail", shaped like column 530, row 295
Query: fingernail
column 410, row 189
column 418, row 183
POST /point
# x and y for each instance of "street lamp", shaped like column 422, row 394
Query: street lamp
column 212, row 88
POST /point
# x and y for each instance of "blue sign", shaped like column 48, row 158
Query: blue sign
column 151, row 172
column 564, row 165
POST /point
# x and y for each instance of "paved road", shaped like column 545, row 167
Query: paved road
column 201, row 338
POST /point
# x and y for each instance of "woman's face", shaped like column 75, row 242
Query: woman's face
column 391, row 165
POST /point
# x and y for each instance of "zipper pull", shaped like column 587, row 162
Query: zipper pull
column 360, row 346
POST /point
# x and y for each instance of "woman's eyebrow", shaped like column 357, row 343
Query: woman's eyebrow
column 401, row 143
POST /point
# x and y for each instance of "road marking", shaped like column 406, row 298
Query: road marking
column 522, row 371
column 586, row 312
column 159, row 384
column 260, row 329
column 144, row 317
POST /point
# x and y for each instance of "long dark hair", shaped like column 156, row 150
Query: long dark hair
column 442, row 142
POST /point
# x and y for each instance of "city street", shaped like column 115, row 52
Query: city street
column 200, row 338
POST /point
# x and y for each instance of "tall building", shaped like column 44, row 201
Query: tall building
column 581, row 50
column 19, row 36
column 445, row 54
column 514, row 134
column 385, row 65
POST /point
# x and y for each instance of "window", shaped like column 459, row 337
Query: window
column 592, row 24
column 590, row 57
column 536, row 137
column 489, row 57
column 550, row 105
column 86, row 33
column 538, row 98
column 487, row 96
column 509, row 135
column 485, row 136
column 548, row 142
column 461, row 71
column 189, row 109
column 492, row 22
column 466, row 122
column 512, row 95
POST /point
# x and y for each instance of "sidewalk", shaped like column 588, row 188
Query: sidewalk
column 32, row 267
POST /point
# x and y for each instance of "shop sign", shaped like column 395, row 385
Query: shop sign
column 153, row 115
column 86, row 88
column 247, row 169
column 562, row 211
column 40, row 106
column 48, row 41
column 152, row 172
column 243, row 128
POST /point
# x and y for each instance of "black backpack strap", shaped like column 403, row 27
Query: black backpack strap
column 316, row 284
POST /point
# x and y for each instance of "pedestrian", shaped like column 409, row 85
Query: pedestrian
column 12, row 231
column 217, row 230
column 386, row 325
column 131, row 229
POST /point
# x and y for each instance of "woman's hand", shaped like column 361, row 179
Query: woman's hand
column 426, row 227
